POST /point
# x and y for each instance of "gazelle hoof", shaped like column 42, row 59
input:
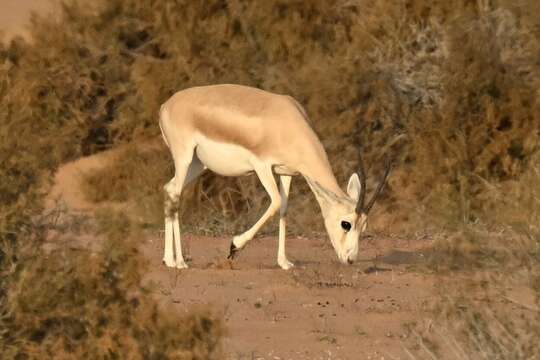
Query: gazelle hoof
column 232, row 251
column 169, row 262
column 285, row 264
column 181, row 265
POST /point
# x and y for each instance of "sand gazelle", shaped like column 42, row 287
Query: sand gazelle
column 235, row 130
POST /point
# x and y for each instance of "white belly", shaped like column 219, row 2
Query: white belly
column 223, row 158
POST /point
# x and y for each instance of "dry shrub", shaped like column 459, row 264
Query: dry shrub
column 506, row 236
column 72, row 303
column 135, row 173
column 483, row 315
column 490, row 306
column 487, row 128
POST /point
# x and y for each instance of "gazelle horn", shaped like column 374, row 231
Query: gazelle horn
column 360, row 205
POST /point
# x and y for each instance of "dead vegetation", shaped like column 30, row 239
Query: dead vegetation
column 489, row 308
column 75, row 303
column 449, row 87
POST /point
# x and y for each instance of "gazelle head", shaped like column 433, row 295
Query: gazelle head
column 346, row 218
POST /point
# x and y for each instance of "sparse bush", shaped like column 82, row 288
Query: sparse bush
column 491, row 307
column 72, row 303
column 133, row 174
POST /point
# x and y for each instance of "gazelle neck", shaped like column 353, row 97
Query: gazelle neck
column 324, row 186
column 323, row 176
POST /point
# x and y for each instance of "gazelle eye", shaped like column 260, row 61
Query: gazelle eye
column 346, row 225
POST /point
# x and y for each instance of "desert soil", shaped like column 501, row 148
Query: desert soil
column 15, row 15
column 319, row 310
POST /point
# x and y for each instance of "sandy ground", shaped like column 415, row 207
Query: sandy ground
column 15, row 15
column 319, row 310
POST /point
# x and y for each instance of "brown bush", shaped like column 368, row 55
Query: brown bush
column 73, row 303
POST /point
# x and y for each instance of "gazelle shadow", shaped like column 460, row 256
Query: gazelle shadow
column 395, row 257
column 400, row 257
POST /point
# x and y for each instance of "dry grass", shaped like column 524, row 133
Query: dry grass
column 449, row 87
column 72, row 303
column 489, row 306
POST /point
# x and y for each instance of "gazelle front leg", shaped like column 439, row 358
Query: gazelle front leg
column 285, row 185
column 264, row 172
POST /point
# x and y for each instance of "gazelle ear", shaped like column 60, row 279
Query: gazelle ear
column 354, row 187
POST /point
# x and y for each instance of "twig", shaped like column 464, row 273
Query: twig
column 408, row 352
column 528, row 307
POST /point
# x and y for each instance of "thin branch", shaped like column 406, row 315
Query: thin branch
column 525, row 306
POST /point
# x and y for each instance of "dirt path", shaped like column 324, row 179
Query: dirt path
column 15, row 15
column 319, row 310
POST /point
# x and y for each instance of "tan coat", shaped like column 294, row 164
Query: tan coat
column 267, row 125
column 234, row 130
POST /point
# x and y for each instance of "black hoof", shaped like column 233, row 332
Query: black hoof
column 232, row 251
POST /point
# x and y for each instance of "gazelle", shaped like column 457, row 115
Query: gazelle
column 235, row 130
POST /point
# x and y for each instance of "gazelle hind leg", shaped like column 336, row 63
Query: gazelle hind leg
column 264, row 172
column 184, row 173
column 285, row 185
column 196, row 168
column 172, row 226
